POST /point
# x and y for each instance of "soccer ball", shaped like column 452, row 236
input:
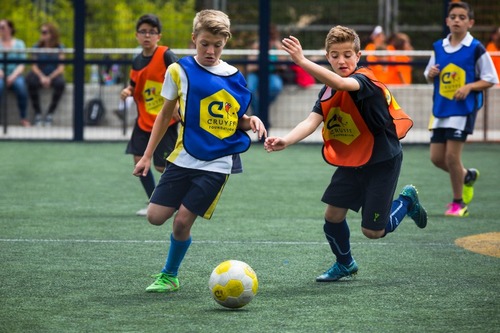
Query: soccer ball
column 233, row 284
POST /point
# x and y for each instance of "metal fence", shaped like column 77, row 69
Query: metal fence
column 307, row 20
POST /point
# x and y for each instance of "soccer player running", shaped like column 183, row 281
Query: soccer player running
column 146, row 78
column 362, row 126
column 213, row 99
column 461, row 70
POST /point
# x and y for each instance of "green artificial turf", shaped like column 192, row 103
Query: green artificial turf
column 75, row 258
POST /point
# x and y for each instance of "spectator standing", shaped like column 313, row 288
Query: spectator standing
column 146, row 78
column 275, row 79
column 400, row 73
column 13, row 78
column 494, row 46
column 460, row 69
column 46, row 74
column 378, row 43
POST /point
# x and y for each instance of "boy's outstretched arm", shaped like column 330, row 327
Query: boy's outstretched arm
column 305, row 128
column 292, row 46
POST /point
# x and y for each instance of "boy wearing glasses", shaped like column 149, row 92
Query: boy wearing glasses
column 146, row 79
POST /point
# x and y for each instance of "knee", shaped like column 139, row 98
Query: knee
column 155, row 216
column 181, row 228
column 334, row 217
column 373, row 234
column 438, row 161
column 154, row 219
column 451, row 159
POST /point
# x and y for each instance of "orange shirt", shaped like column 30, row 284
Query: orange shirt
column 384, row 73
column 496, row 59
column 398, row 74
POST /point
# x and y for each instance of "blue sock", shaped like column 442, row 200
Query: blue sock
column 399, row 210
column 175, row 256
column 337, row 235
column 148, row 182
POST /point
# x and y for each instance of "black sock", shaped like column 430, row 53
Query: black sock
column 148, row 183
column 337, row 235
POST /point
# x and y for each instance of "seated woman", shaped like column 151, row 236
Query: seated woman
column 13, row 78
column 46, row 74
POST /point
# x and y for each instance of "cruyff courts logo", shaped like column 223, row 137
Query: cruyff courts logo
column 153, row 100
column 451, row 78
column 340, row 126
column 219, row 114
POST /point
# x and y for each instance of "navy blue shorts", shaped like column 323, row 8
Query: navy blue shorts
column 139, row 141
column 370, row 188
column 441, row 135
column 198, row 190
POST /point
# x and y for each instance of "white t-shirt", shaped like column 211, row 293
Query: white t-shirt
column 175, row 87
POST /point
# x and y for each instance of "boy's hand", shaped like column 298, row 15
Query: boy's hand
column 142, row 167
column 257, row 126
column 292, row 46
column 462, row 93
column 274, row 144
column 126, row 92
column 434, row 71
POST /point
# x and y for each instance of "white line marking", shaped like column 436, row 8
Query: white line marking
column 135, row 241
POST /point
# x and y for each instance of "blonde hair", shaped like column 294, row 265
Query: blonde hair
column 339, row 35
column 213, row 21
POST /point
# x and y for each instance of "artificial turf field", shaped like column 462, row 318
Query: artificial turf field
column 75, row 258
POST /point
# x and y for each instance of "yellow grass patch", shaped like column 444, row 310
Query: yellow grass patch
column 487, row 244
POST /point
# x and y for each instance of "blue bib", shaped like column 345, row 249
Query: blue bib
column 214, row 105
column 457, row 69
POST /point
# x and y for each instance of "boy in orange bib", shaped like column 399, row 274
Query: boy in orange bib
column 362, row 126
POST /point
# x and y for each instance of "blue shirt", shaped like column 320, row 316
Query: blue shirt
column 17, row 45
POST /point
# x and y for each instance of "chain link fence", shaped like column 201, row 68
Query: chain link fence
column 310, row 21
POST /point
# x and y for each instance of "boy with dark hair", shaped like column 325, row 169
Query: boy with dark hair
column 212, row 99
column 362, row 125
column 460, row 69
column 146, row 78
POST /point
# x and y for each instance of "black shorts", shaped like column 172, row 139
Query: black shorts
column 198, row 190
column 441, row 135
column 139, row 141
column 370, row 188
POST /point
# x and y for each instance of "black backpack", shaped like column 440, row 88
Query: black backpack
column 94, row 112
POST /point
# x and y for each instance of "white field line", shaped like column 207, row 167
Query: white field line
column 133, row 241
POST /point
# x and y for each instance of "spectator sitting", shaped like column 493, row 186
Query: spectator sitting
column 45, row 75
column 13, row 78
